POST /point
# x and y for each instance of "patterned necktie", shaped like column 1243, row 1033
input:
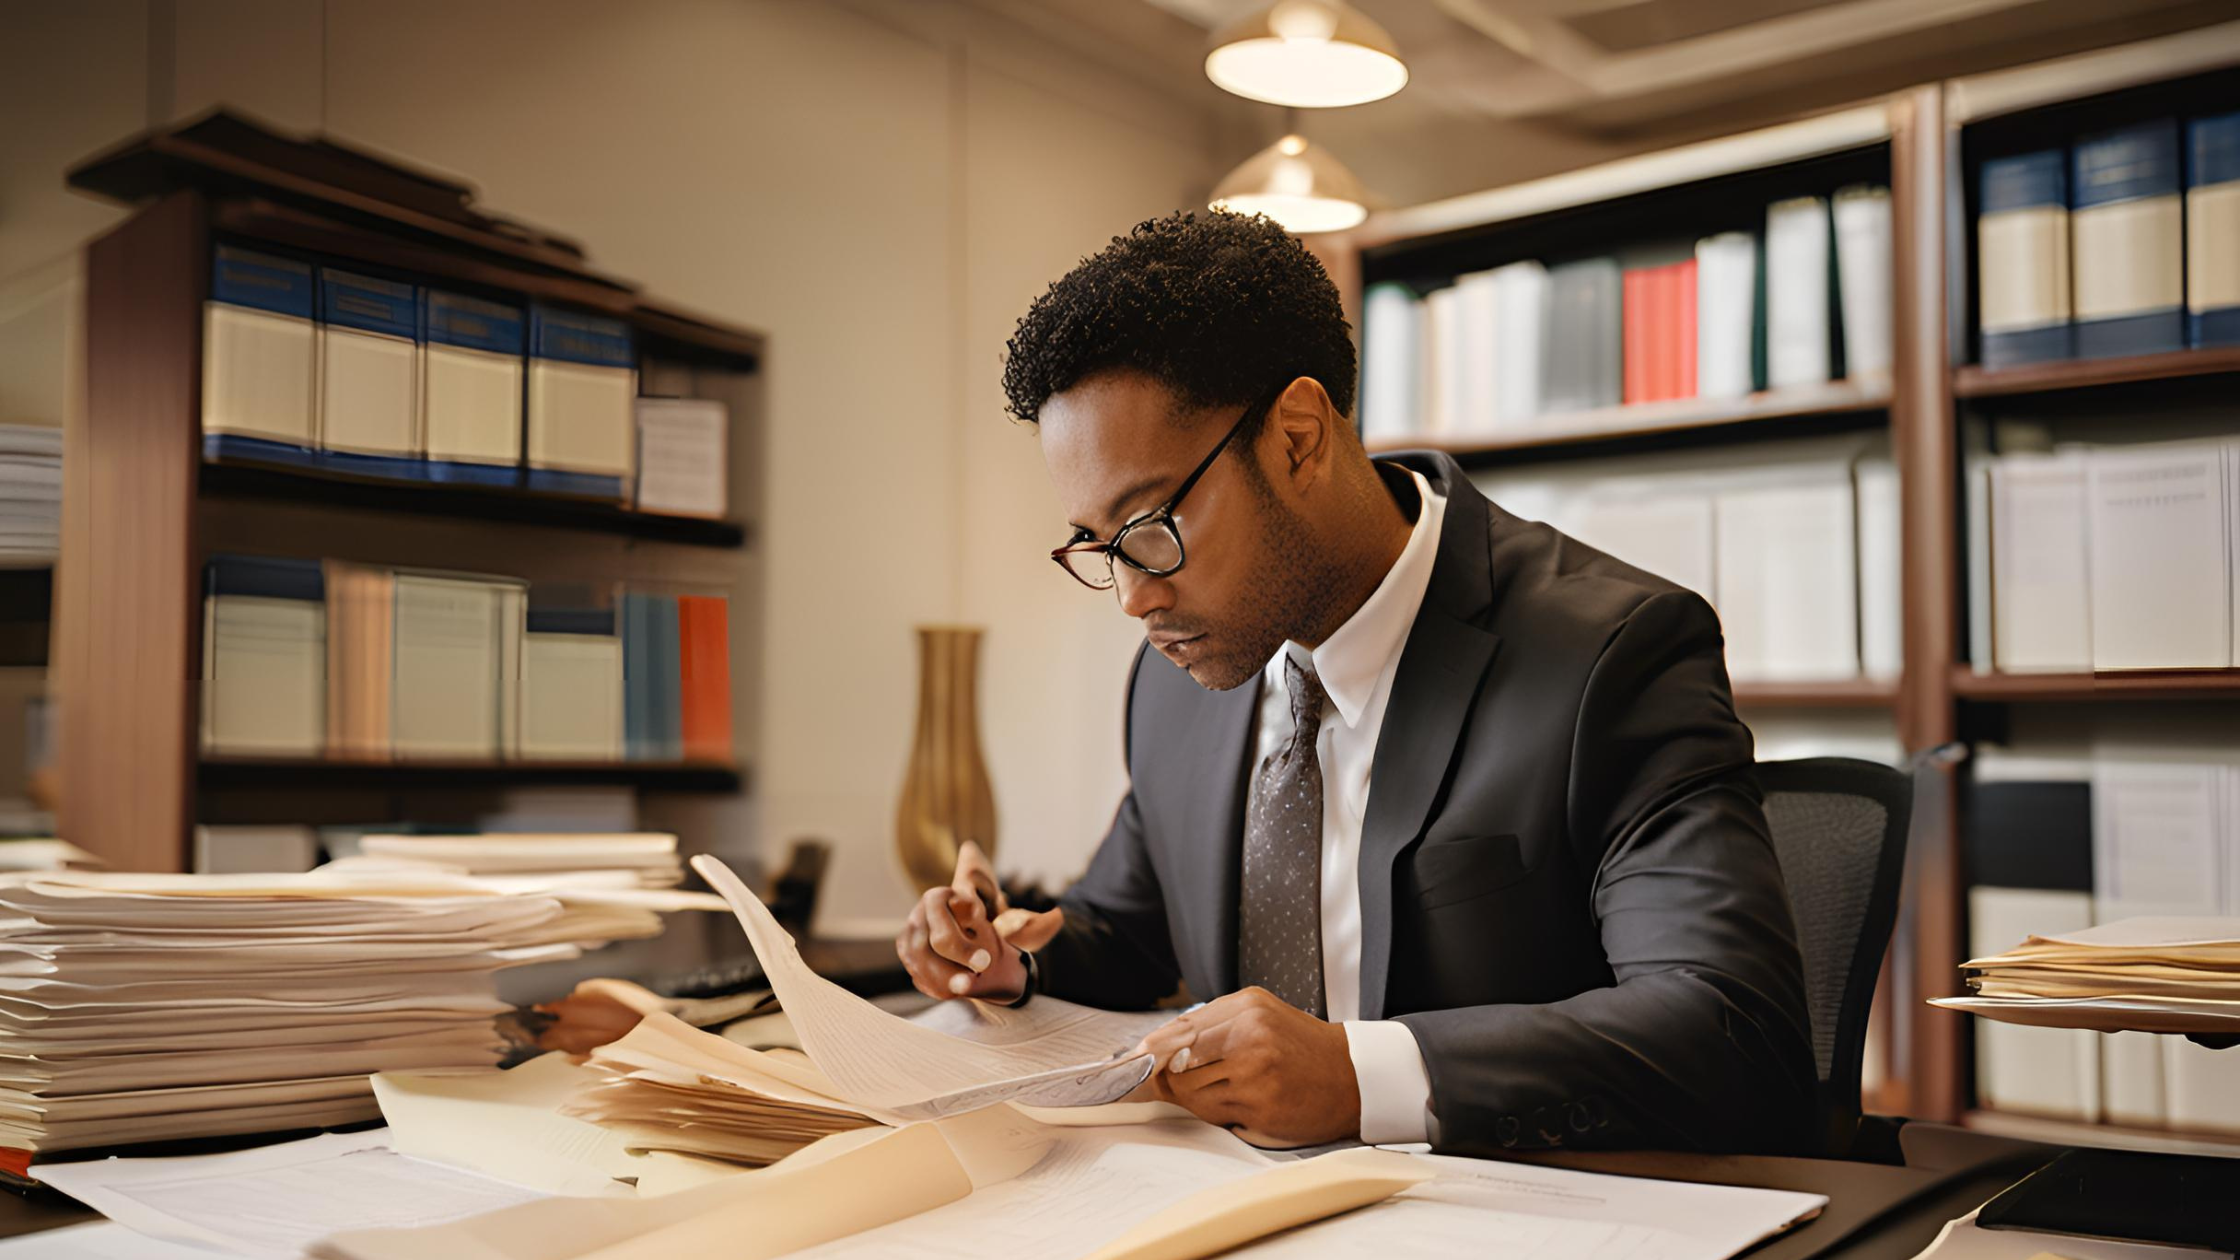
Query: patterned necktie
column 1280, row 915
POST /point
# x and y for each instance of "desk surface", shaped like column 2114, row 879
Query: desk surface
column 1875, row 1212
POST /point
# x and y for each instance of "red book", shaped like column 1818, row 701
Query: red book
column 1668, row 331
column 1686, row 323
column 1634, row 313
column 704, row 634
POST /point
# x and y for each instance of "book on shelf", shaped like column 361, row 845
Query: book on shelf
column 471, row 371
column 1880, row 511
column 2160, row 565
column 264, row 657
column 1667, row 532
column 361, row 647
column 1585, row 360
column 2126, row 219
column 1787, row 576
column 583, row 387
column 1521, row 323
column 652, row 677
column 1478, row 295
column 2022, row 259
column 2213, row 230
column 454, row 638
column 1726, row 304
column 259, row 358
column 1659, row 333
column 1863, row 276
column 1798, row 267
column 1447, row 358
column 2041, row 595
column 683, row 456
column 571, row 686
column 704, row 677
column 259, row 849
column 1391, row 361
column 369, row 375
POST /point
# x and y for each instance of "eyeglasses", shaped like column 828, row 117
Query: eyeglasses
column 1150, row 544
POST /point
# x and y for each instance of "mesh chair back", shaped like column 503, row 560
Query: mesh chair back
column 1839, row 826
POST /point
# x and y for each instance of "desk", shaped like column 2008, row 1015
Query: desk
column 1875, row 1212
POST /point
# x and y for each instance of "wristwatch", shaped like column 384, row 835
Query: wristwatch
column 1034, row 980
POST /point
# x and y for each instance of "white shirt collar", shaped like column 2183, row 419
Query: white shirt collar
column 1357, row 655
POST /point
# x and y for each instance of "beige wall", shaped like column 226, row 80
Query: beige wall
column 881, row 186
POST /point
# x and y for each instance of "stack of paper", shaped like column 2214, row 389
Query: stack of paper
column 2169, row 975
column 135, row 1008
column 30, row 493
column 645, row 859
column 669, row 1087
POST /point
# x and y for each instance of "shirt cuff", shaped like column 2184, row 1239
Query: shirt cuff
column 1395, row 1087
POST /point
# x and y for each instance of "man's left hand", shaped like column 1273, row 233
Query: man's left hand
column 1251, row 1063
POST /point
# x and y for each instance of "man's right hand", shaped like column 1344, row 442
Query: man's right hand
column 964, row 940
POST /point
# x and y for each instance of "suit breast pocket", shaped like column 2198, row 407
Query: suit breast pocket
column 1458, row 868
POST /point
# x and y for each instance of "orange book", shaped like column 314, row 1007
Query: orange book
column 704, row 633
column 1684, row 320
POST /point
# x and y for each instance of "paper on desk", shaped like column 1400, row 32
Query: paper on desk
column 794, row 1204
column 96, row 1240
column 274, row 1201
column 505, row 1124
column 1528, row 1212
column 961, row 1056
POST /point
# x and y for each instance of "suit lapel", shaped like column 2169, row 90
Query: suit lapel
column 1217, row 758
column 1433, row 691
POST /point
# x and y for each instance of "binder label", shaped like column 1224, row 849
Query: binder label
column 240, row 277
column 457, row 320
column 368, row 304
column 574, row 338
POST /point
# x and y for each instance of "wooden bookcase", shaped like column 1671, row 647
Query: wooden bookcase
column 147, row 509
column 1919, row 143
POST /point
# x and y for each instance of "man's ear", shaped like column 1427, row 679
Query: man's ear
column 1302, row 418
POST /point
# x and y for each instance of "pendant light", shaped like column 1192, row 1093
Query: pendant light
column 1296, row 184
column 1310, row 54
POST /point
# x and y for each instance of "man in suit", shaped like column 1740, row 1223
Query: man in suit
column 1446, row 817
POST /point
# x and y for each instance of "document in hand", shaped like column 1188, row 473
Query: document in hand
column 2166, row 975
column 962, row 1055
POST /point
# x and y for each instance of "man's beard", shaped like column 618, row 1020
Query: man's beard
column 1293, row 592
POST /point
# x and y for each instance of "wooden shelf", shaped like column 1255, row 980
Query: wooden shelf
column 2116, row 1137
column 237, row 479
column 1835, row 406
column 2043, row 378
column 279, row 772
column 1835, row 693
column 2158, row 684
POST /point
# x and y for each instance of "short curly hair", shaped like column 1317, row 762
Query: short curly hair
column 1216, row 306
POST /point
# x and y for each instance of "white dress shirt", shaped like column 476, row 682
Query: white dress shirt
column 1356, row 665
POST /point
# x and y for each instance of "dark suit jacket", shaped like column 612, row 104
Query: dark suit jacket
column 1568, row 890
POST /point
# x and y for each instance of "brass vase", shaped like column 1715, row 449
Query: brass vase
column 946, row 799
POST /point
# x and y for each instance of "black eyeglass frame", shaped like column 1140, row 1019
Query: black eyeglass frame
column 1162, row 515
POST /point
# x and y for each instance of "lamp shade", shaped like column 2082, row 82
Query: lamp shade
column 1296, row 184
column 1312, row 54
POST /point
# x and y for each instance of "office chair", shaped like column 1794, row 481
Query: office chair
column 1839, row 827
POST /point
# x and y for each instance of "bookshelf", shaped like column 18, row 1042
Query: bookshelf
column 1838, row 406
column 149, row 507
column 236, row 773
column 2145, row 684
column 1935, row 408
column 2047, row 378
column 240, row 479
